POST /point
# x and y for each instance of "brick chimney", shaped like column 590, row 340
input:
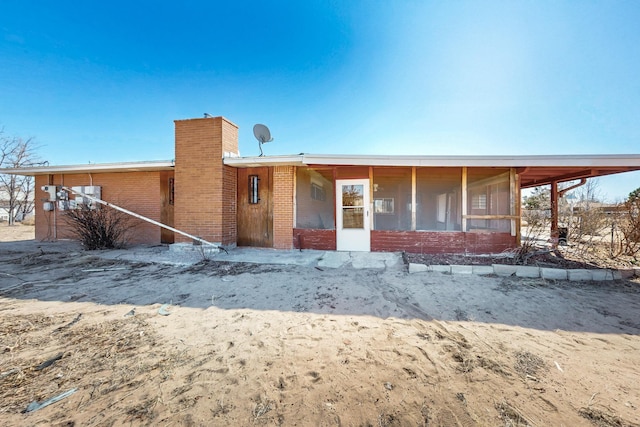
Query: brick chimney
column 205, row 189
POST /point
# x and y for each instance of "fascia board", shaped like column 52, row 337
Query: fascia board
column 92, row 168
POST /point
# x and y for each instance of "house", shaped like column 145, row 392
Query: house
column 423, row 204
column 21, row 205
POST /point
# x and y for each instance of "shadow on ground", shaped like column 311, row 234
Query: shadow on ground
column 62, row 272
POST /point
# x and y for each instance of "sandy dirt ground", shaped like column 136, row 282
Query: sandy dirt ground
column 218, row 343
column 16, row 232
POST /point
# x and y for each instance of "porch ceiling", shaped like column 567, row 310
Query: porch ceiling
column 543, row 175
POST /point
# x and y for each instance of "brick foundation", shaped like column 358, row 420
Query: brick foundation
column 437, row 242
column 324, row 240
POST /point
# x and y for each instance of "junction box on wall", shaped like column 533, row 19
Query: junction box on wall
column 60, row 198
column 94, row 191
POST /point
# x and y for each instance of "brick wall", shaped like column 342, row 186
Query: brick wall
column 136, row 191
column 436, row 242
column 427, row 242
column 229, row 206
column 205, row 201
column 283, row 206
column 324, row 240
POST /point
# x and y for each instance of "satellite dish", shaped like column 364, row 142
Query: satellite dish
column 262, row 134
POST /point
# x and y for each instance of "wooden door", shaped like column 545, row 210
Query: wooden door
column 166, row 205
column 255, row 207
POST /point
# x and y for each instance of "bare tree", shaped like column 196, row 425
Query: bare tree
column 589, row 220
column 628, row 226
column 16, row 191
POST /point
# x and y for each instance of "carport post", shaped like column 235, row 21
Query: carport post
column 554, row 214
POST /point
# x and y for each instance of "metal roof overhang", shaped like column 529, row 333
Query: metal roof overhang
column 533, row 170
column 150, row 166
column 536, row 176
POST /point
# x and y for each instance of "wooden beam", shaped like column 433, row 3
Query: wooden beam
column 518, row 211
column 554, row 214
column 489, row 217
column 513, row 194
column 414, row 198
column 464, row 199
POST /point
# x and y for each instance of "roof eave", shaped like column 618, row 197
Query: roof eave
column 93, row 168
column 590, row 160
column 259, row 161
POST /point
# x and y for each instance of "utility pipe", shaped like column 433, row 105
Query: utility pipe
column 582, row 182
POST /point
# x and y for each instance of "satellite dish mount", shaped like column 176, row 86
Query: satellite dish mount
column 262, row 134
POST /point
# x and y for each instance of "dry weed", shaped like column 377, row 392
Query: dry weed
column 603, row 419
column 528, row 364
column 511, row 416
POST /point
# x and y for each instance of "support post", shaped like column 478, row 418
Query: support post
column 554, row 214
column 414, row 199
column 464, row 199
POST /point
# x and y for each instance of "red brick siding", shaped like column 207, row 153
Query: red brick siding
column 440, row 242
column 203, row 186
column 282, row 206
column 229, row 207
column 136, row 191
column 324, row 240
column 412, row 241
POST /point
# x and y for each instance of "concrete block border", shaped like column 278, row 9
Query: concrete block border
column 574, row 275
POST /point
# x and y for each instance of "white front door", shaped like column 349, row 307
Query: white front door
column 352, row 215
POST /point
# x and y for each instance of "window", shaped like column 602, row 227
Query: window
column 317, row 192
column 172, row 193
column 254, row 197
column 353, row 206
column 383, row 206
column 479, row 201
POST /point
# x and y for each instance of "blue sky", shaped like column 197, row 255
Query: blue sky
column 103, row 81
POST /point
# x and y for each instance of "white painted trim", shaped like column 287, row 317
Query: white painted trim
column 93, row 168
column 586, row 160
column 577, row 160
column 248, row 162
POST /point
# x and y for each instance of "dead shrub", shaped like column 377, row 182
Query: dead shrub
column 103, row 228
column 538, row 222
column 628, row 227
column 30, row 220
